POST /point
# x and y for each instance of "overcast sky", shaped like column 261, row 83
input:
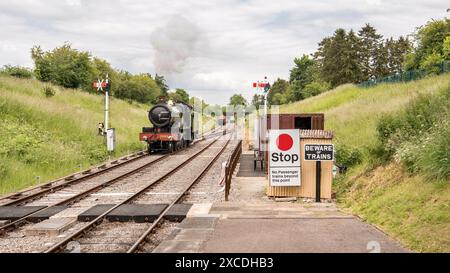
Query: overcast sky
column 211, row 48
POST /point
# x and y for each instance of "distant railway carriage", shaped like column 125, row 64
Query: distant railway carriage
column 222, row 121
column 173, row 127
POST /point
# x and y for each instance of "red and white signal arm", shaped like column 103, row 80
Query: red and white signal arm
column 284, row 158
column 99, row 85
column 259, row 84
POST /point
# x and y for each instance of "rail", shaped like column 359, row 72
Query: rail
column 231, row 166
column 72, row 178
column 97, row 221
column 155, row 223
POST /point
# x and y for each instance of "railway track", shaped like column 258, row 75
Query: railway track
column 17, row 240
column 78, row 196
column 142, row 240
column 30, row 194
column 97, row 223
column 101, row 180
column 27, row 195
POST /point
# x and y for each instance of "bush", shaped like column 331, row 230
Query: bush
column 347, row 156
column 418, row 137
column 435, row 162
column 63, row 66
column 432, row 63
column 48, row 91
column 315, row 88
column 17, row 71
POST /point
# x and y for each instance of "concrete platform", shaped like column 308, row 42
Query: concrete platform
column 198, row 223
column 189, row 236
column 50, row 227
column 16, row 212
column 246, row 167
column 297, row 235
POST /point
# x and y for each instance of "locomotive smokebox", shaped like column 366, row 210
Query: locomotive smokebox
column 160, row 115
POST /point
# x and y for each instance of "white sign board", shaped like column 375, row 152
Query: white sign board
column 284, row 157
column 111, row 139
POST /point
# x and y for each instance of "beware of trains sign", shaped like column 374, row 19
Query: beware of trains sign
column 284, row 158
column 319, row 152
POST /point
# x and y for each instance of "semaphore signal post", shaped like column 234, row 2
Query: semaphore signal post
column 105, row 85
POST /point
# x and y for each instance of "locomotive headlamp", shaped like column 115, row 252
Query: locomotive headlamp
column 144, row 138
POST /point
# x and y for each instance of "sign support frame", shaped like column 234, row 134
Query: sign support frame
column 318, row 176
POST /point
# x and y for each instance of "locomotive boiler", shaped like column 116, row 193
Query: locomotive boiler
column 173, row 127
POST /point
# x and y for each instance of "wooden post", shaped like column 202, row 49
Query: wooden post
column 318, row 175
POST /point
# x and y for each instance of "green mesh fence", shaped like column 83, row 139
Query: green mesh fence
column 407, row 76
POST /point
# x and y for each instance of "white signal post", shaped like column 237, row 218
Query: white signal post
column 106, row 103
column 110, row 135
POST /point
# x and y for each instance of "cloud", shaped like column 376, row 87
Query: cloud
column 211, row 48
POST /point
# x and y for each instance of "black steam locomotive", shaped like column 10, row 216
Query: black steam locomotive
column 173, row 127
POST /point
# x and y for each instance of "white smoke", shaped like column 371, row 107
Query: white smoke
column 174, row 43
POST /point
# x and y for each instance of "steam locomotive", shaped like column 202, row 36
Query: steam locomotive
column 173, row 127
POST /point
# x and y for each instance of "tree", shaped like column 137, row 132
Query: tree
column 139, row 87
column 446, row 48
column 179, row 95
column 432, row 63
column 237, row 99
column 101, row 68
column 337, row 58
column 398, row 51
column 430, row 39
column 280, row 86
column 64, row 66
column 17, row 71
column 257, row 101
column 370, row 42
column 353, row 69
column 381, row 59
column 161, row 82
column 303, row 73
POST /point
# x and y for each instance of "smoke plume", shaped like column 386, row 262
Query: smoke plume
column 174, row 43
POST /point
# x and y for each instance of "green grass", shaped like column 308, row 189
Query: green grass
column 51, row 137
column 410, row 207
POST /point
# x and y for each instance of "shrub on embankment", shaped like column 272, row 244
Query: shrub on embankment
column 419, row 136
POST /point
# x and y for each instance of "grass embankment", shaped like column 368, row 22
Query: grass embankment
column 49, row 137
column 392, row 185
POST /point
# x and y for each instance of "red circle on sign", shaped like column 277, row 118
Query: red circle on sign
column 284, row 142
